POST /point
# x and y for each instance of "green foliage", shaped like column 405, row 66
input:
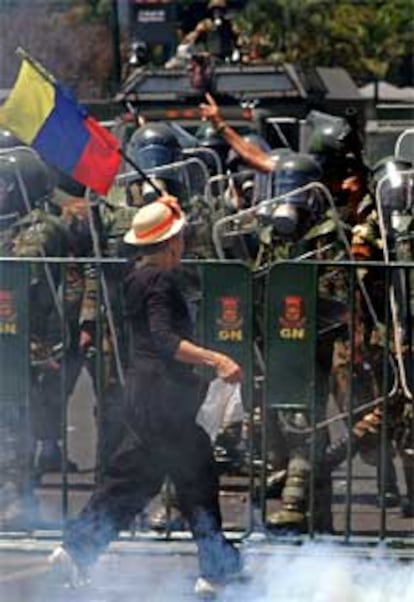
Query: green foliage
column 369, row 38
column 91, row 10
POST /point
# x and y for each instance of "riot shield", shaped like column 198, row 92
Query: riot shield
column 16, row 444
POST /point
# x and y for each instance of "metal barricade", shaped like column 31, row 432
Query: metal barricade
column 359, row 472
column 191, row 172
column 404, row 145
column 221, row 295
column 16, row 444
column 223, row 189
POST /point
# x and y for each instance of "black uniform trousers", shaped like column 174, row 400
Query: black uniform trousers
column 160, row 438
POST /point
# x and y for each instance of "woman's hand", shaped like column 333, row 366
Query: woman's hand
column 225, row 367
column 210, row 110
column 228, row 369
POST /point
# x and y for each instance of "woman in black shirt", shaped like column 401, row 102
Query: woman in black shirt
column 163, row 395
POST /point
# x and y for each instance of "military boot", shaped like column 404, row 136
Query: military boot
column 293, row 514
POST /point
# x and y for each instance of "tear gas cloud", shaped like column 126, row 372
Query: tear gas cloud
column 313, row 572
column 328, row 573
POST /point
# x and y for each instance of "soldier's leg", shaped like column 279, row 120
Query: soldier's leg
column 293, row 426
column 323, row 519
column 391, row 490
column 49, row 406
column 277, row 456
column 294, row 513
column 292, row 516
column 384, row 459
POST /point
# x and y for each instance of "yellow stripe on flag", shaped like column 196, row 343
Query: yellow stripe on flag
column 28, row 105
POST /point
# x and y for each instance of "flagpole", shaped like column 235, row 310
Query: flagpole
column 105, row 291
column 142, row 173
column 23, row 54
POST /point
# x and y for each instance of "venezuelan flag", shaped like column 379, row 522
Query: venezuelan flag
column 45, row 116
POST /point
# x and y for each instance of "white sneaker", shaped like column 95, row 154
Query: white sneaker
column 204, row 588
column 209, row 589
column 66, row 569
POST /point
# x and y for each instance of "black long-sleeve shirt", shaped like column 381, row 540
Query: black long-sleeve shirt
column 158, row 314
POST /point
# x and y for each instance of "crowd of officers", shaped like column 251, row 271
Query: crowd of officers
column 44, row 214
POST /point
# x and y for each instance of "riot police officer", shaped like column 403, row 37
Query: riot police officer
column 152, row 146
column 289, row 221
column 336, row 144
column 384, row 232
column 180, row 164
column 28, row 230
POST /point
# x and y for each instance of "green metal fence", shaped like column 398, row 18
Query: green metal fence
column 225, row 299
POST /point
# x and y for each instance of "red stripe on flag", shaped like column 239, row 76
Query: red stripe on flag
column 107, row 140
column 100, row 160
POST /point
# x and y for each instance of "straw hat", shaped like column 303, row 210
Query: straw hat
column 160, row 220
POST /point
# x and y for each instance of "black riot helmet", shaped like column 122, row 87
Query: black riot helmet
column 388, row 166
column 208, row 137
column 293, row 171
column 396, row 190
column 25, row 181
column 329, row 133
column 154, row 147
column 8, row 140
column 335, row 144
column 154, row 144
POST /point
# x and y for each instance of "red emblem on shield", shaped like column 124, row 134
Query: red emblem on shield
column 7, row 305
column 230, row 312
column 293, row 312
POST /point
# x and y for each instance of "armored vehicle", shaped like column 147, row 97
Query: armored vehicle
column 275, row 98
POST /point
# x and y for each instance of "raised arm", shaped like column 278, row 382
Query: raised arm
column 250, row 153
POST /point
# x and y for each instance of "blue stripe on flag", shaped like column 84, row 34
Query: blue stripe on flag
column 64, row 124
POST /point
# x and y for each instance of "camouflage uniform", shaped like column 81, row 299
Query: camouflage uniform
column 30, row 231
column 368, row 244
column 305, row 233
column 90, row 342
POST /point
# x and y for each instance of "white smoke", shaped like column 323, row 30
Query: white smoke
column 313, row 572
column 327, row 573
